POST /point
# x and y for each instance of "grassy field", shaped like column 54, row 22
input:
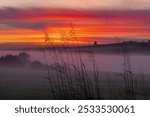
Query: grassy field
column 33, row 84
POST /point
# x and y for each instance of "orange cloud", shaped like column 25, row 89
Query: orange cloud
column 88, row 26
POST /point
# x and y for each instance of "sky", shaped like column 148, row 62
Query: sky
column 87, row 20
column 76, row 4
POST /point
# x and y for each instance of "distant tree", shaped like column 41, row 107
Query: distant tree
column 95, row 43
column 24, row 57
column 36, row 65
column 10, row 61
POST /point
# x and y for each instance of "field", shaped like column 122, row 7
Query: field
column 33, row 84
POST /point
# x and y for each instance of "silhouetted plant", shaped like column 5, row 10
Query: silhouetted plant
column 74, row 81
column 129, row 80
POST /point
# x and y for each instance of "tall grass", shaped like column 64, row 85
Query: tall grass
column 69, row 77
column 130, row 82
column 128, row 75
column 74, row 80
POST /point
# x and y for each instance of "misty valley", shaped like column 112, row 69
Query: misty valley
column 48, row 74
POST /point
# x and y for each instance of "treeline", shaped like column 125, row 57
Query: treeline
column 22, row 60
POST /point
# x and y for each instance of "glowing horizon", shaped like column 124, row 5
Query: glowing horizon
column 27, row 25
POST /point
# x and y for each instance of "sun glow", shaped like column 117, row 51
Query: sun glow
column 71, row 26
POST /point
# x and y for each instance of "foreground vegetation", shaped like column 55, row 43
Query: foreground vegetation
column 76, row 82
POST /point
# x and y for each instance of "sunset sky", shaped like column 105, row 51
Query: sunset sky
column 91, row 20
